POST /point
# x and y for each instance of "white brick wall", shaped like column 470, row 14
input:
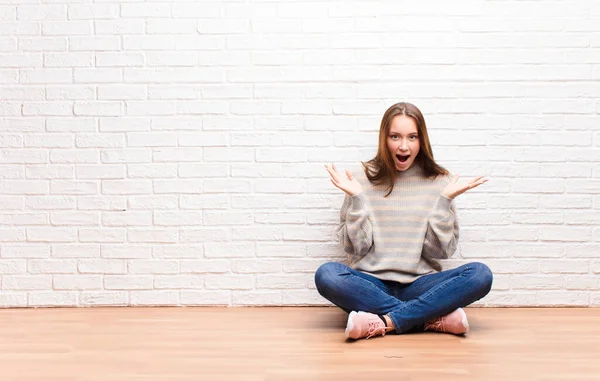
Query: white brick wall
column 172, row 153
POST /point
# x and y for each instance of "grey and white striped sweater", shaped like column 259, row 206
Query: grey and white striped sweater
column 402, row 236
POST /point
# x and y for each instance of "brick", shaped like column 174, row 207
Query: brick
column 52, row 299
column 104, row 298
column 178, row 282
column 205, row 201
column 26, row 282
column 229, row 282
column 206, row 266
column 77, row 282
column 152, row 202
column 127, row 218
column 127, row 282
column 256, row 298
column 16, row 266
column 206, row 298
column 154, row 298
column 152, row 236
column 64, row 218
column 142, row 266
column 102, row 235
column 102, row 266
column 179, row 251
column 207, row 234
column 126, row 252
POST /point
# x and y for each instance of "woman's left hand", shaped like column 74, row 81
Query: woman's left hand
column 454, row 189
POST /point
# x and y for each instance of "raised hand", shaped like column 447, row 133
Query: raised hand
column 348, row 184
column 454, row 189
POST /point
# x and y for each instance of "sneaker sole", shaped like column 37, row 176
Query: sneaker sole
column 350, row 324
column 465, row 322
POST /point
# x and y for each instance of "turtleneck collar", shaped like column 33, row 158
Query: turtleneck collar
column 414, row 171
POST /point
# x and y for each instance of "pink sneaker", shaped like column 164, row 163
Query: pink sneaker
column 455, row 322
column 364, row 325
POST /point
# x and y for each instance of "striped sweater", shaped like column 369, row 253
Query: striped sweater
column 402, row 236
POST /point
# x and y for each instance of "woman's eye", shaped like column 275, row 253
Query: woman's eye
column 394, row 136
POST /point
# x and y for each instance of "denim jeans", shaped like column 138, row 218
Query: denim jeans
column 409, row 306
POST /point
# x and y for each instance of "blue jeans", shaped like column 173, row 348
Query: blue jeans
column 409, row 306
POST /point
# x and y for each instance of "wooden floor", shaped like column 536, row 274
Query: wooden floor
column 290, row 344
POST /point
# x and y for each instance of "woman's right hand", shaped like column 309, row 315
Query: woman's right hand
column 348, row 184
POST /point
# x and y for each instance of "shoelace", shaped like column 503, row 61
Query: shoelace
column 436, row 325
column 374, row 329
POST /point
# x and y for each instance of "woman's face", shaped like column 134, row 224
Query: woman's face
column 403, row 142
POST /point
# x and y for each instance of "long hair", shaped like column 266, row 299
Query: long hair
column 381, row 169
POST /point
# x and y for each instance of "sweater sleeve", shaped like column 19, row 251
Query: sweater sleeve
column 441, row 237
column 355, row 232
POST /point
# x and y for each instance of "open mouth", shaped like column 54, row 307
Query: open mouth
column 402, row 158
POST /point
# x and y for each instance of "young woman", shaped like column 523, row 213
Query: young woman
column 397, row 221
